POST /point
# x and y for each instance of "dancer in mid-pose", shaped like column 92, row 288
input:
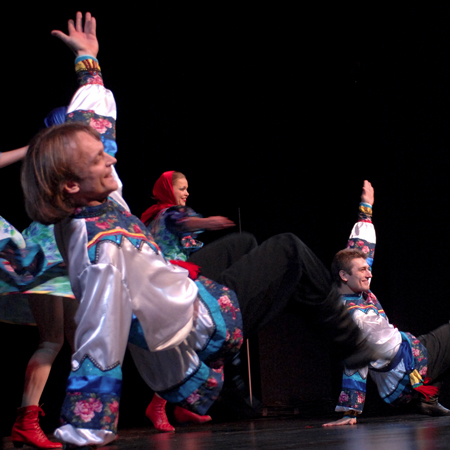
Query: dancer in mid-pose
column 45, row 299
column 407, row 367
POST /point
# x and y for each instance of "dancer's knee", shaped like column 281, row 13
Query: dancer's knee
column 248, row 240
column 52, row 348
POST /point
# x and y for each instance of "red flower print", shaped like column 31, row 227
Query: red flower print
column 211, row 383
column 86, row 409
column 100, row 124
column 237, row 335
column 114, row 406
column 224, row 302
column 103, row 225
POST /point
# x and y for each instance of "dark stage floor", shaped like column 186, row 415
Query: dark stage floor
column 403, row 432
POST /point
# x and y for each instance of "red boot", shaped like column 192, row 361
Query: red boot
column 156, row 412
column 26, row 429
column 183, row 415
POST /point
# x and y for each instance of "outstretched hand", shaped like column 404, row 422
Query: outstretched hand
column 340, row 422
column 218, row 223
column 81, row 40
column 368, row 193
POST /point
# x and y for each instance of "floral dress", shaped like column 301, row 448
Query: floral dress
column 30, row 263
column 168, row 230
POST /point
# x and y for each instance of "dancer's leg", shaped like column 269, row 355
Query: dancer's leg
column 219, row 255
column 282, row 271
column 70, row 307
column 437, row 343
column 48, row 313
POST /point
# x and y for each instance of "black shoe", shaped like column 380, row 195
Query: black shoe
column 432, row 408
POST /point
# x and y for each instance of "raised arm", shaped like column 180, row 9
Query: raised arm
column 7, row 158
column 92, row 104
column 363, row 235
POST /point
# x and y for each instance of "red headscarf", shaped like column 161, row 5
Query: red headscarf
column 163, row 194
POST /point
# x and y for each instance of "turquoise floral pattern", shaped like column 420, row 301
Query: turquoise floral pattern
column 30, row 264
column 168, row 229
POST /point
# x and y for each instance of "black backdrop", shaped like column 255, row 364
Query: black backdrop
column 276, row 115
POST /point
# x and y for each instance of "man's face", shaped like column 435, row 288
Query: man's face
column 94, row 167
column 359, row 279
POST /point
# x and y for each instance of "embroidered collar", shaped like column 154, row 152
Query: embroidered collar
column 364, row 301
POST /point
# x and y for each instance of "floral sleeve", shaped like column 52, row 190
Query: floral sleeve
column 353, row 391
column 175, row 217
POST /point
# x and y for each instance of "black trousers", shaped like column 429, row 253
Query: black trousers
column 437, row 343
column 219, row 255
column 281, row 272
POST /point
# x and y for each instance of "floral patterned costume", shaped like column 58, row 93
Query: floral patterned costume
column 181, row 330
column 167, row 229
column 402, row 371
column 47, row 273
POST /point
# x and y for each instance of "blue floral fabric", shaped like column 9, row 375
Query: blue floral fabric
column 93, row 397
column 175, row 241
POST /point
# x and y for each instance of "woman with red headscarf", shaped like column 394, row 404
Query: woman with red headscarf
column 175, row 227
column 173, row 224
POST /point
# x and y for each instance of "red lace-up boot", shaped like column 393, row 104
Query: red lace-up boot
column 26, row 429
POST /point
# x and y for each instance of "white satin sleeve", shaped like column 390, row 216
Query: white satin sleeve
column 94, row 97
column 125, row 280
column 381, row 333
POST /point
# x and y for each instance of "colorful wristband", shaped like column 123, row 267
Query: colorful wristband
column 83, row 57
